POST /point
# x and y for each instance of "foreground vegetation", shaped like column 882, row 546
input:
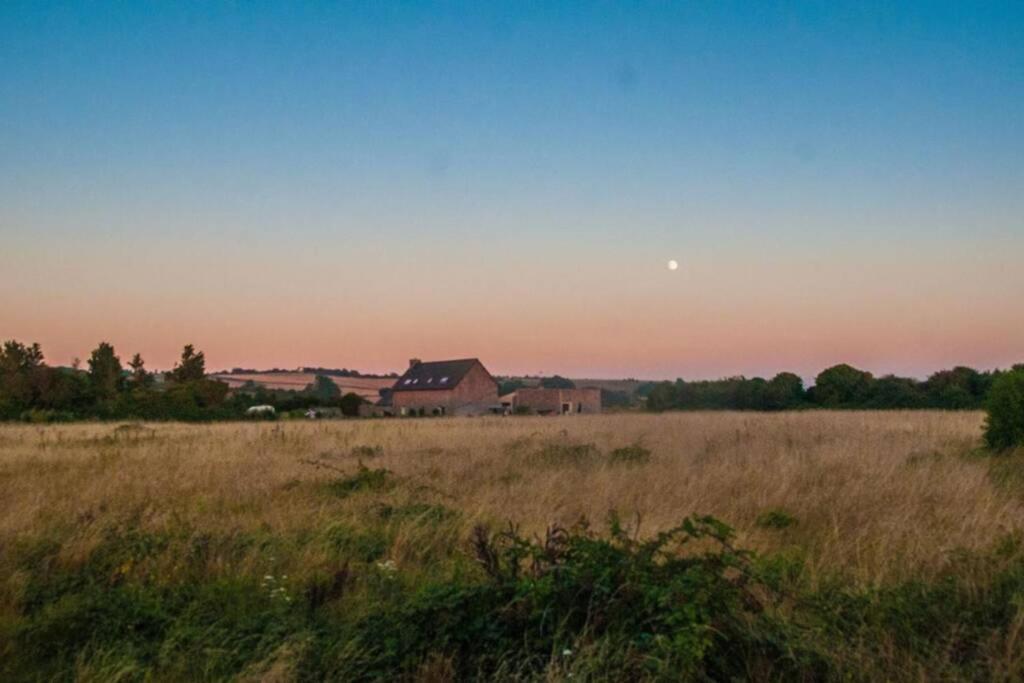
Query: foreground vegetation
column 862, row 546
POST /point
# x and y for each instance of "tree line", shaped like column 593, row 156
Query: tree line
column 31, row 390
column 838, row 387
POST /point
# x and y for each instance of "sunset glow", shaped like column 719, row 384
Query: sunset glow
column 351, row 187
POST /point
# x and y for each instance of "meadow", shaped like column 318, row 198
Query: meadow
column 863, row 545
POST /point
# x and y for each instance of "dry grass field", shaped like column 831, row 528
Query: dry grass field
column 875, row 498
column 880, row 495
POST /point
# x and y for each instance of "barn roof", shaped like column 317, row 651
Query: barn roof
column 440, row 374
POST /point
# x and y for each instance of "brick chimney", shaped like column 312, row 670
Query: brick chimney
column 413, row 362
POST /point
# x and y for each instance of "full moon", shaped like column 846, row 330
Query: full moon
column 673, row 264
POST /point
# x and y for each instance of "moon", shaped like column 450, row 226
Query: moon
column 673, row 264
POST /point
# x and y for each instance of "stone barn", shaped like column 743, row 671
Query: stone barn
column 446, row 387
column 555, row 401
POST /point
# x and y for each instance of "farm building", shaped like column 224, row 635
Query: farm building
column 448, row 387
column 554, row 401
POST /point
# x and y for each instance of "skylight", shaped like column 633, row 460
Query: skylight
column 408, row 381
column 444, row 380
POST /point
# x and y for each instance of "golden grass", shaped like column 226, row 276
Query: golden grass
column 878, row 496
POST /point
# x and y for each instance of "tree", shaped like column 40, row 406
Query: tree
column 896, row 392
column 104, row 372
column 557, row 382
column 662, row 397
column 1004, row 426
column 140, row 378
column 324, row 388
column 785, row 391
column 955, row 389
column 350, row 403
column 842, row 386
column 19, row 370
column 192, row 366
column 507, row 386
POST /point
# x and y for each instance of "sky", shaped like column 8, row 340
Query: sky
column 355, row 184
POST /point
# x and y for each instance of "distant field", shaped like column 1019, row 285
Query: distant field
column 368, row 387
column 149, row 512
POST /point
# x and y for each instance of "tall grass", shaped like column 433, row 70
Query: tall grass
column 230, row 550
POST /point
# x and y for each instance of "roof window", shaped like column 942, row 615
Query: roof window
column 444, row 380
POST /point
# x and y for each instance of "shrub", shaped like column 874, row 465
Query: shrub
column 1004, row 427
column 634, row 454
column 650, row 611
column 775, row 518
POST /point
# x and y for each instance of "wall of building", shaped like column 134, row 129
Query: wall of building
column 558, row 401
column 476, row 394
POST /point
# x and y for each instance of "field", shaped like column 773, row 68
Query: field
column 264, row 550
column 367, row 387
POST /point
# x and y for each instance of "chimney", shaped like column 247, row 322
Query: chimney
column 413, row 362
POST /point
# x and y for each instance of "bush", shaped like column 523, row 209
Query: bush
column 775, row 519
column 634, row 454
column 645, row 610
column 1004, row 427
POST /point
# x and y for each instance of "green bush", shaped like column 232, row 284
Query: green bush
column 775, row 519
column 634, row 454
column 657, row 613
column 1004, row 427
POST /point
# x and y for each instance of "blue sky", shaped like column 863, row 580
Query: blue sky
column 316, row 146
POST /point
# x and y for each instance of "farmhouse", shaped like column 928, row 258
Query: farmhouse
column 447, row 387
column 554, row 401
